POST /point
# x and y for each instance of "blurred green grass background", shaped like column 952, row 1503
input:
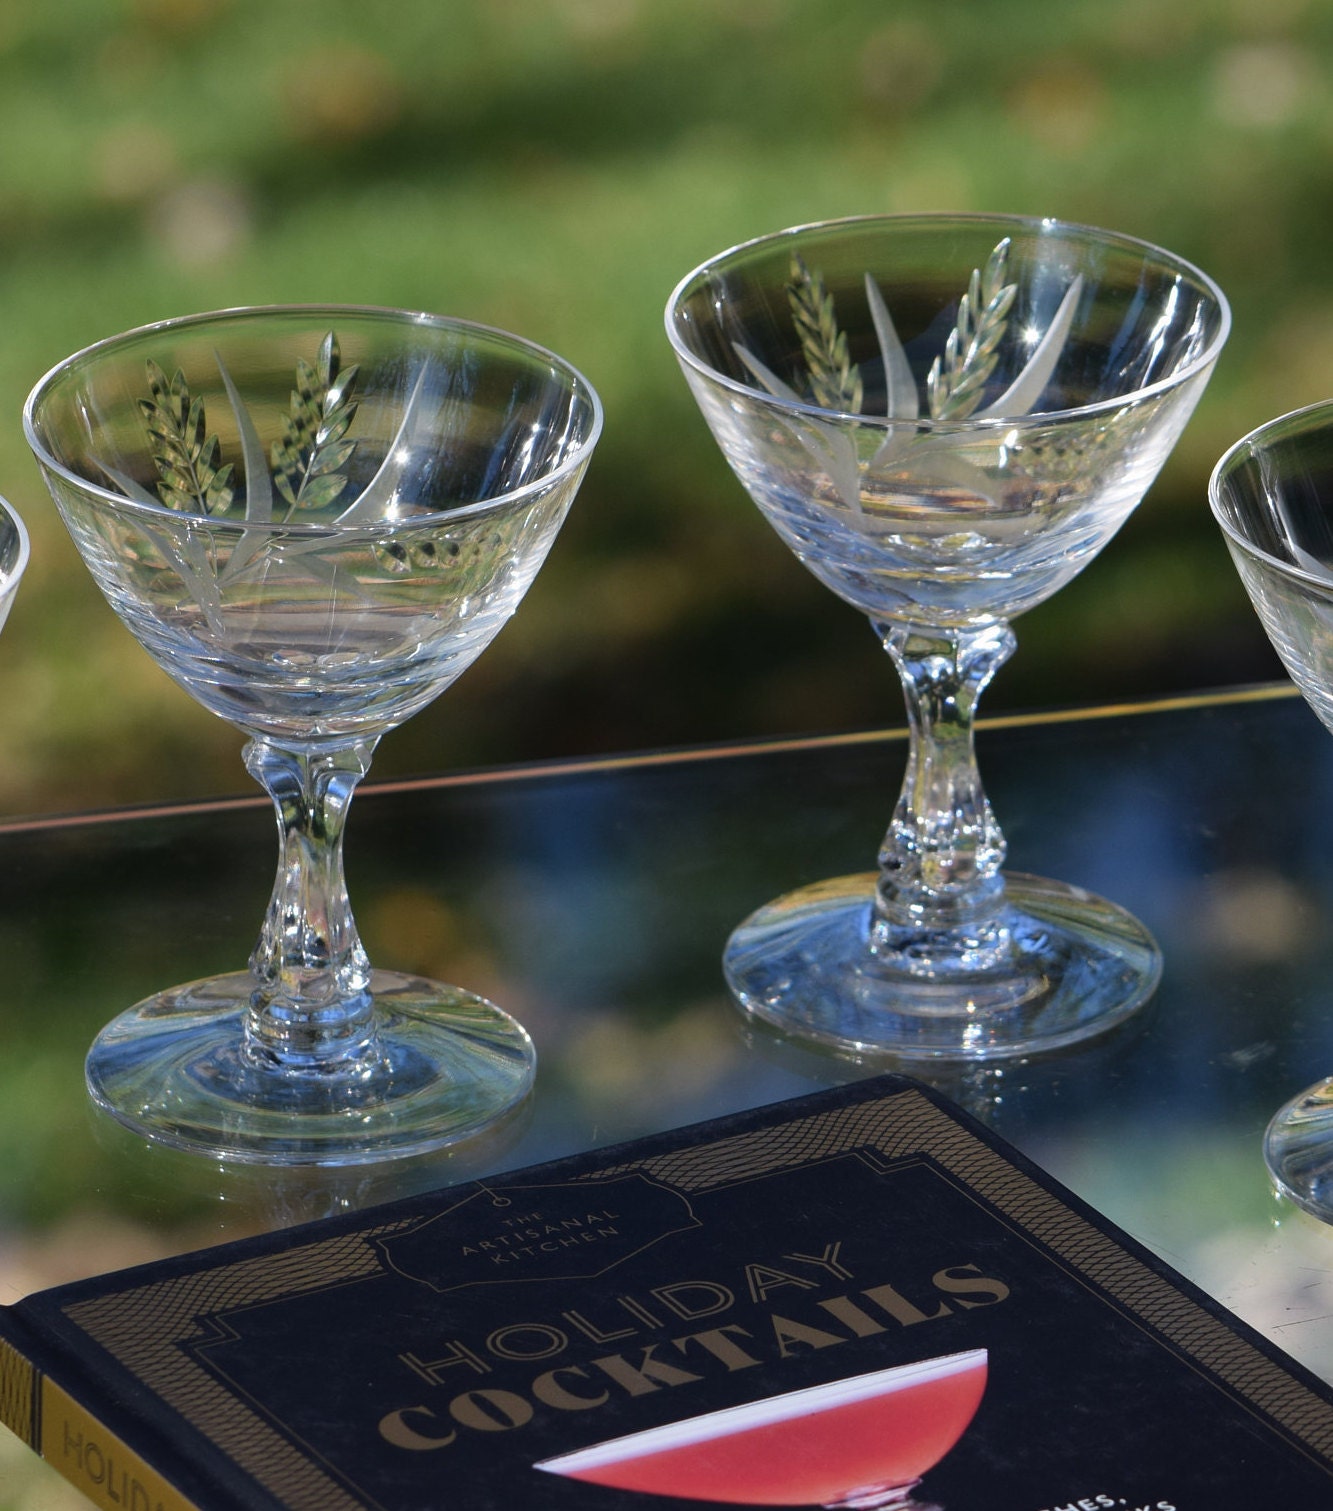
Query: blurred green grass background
column 554, row 166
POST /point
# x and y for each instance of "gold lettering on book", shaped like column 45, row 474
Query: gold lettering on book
column 527, row 1340
column 516, row 1239
column 649, row 1374
column 408, row 1428
column 828, row 1260
column 719, row 1342
column 763, row 1278
column 857, row 1321
column 549, row 1390
column 901, row 1309
column 791, row 1336
column 966, row 1280
column 692, row 1299
column 452, row 1355
column 807, row 1322
column 98, row 1463
column 591, row 1330
column 490, row 1410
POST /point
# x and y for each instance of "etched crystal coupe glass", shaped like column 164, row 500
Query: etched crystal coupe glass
column 313, row 519
column 1272, row 494
column 14, row 552
column 945, row 418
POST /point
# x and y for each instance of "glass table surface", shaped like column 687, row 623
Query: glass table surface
column 592, row 900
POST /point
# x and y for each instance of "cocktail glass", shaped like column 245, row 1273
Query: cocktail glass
column 862, row 1442
column 14, row 552
column 945, row 418
column 1272, row 494
column 313, row 519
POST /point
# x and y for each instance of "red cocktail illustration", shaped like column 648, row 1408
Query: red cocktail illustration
column 861, row 1442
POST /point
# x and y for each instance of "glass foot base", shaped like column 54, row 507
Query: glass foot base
column 1298, row 1149
column 1076, row 965
column 443, row 1065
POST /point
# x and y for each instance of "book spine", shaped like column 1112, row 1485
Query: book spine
column 94, row 1459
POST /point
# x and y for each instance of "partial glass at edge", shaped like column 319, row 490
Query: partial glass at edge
column 358, row 501
column 1076, row 364
column 1272, row 494
column 14, row 551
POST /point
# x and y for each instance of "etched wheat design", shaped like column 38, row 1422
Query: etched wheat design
column 956, row 381
column 305, row 466
column 185, row 455
column 309, row 456
column 835, row 381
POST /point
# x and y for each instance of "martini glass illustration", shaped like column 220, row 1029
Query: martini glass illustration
column 313, row 519
column 1272, row 494
column 945, row 418
column 862, row 1442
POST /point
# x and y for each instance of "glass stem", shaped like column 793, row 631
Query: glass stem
column 311, row 1007
column 940, row 862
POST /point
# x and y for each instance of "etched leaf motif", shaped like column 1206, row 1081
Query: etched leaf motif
column 900, row 396
column 307, row 460
column 186, row 456
column 309, row 455
column 835, row 381
column 957, row 380
column 955, row 383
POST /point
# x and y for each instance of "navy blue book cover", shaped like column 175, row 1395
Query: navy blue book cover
column 857, row 1299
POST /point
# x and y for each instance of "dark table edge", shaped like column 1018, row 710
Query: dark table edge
column 638, row 760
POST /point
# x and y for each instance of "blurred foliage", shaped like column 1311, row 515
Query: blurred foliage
column 553, row 167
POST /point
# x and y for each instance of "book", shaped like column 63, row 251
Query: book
column 860, row 1298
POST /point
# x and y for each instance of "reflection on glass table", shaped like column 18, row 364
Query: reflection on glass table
column 594, row 897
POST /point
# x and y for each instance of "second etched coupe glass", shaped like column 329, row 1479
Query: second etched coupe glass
column 945, row 418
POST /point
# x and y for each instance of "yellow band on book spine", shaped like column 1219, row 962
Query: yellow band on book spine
column 97, row 1462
